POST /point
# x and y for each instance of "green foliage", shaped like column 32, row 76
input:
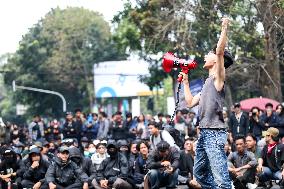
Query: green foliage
column 58, row 54
column 192, row 28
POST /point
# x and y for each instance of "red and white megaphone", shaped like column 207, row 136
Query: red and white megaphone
column 170, row 62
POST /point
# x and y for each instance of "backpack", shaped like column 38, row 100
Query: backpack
column 174, row 133
column 176, row 136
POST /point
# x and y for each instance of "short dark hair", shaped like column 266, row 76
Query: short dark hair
column 255, row 107
column 237, row 105
column 154, row 123
column 77, row 110
column 240, row 137
column 142, row 142
column 103, row 114
column 118, row 113
column 163, row 146
column 160, row 115
column 168, row 116
column 94, row 114
column 252, row 136
column 268, row 105
column 191, row 139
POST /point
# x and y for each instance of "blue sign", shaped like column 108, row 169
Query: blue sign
column 103, row 90
column 196, row 86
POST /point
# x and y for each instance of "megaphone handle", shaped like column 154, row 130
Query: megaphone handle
column 179, row 79
column 185, row 71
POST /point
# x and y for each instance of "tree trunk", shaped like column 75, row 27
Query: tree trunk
column 228, row 100
column 270, row 77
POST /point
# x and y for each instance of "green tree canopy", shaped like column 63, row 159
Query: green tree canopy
column 58, row 54
column 192, row 28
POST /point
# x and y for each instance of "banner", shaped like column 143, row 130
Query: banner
column 195, row 87
column 120, row 78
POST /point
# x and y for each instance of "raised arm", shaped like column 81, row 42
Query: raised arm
column 220, row 69
column 190, row 100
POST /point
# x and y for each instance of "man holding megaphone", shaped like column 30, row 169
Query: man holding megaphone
column 210, row 166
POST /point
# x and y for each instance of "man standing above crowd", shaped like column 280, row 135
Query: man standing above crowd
column 239, row 122
column 36, row 129
column 104, row 124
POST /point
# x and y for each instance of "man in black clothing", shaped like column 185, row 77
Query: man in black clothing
column 84, row 163
column 239, row 122
column 163, row 166
column 118, row 130
column 186, row 161
column 113, row 171
column 255, row 127
column 268, row 118
column 79, row 124
column 69, row 127
column 34, row 169
column 271, row 163
column 10, row 170
column 64, row 173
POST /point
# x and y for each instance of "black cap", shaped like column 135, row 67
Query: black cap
column 121, row 143
column 45, row 143
column 111, row 144
column 163, row 146
column 63, row 149
column 8, row 151
column 228, row 58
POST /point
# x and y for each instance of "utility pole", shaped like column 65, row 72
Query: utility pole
column 41, row 91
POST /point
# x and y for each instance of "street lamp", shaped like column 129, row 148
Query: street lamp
column 41, row 91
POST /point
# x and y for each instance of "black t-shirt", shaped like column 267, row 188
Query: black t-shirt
column 274, row 160
column 186, row 163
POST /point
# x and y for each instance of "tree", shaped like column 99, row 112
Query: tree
column 192, row 27
column 271, row 13
column 58, row 54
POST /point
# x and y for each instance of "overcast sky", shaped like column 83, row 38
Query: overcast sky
column 17, row 16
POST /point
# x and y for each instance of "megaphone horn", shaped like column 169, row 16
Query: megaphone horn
column 170, row 62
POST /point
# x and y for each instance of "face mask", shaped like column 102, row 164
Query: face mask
column 112, row 153
column 51, row 150
column 92, row 150
column 77, row 160
column 10, row 160
column 125, row 153
column 86, row 153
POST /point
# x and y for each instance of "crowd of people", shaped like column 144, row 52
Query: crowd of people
column 122, row 151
